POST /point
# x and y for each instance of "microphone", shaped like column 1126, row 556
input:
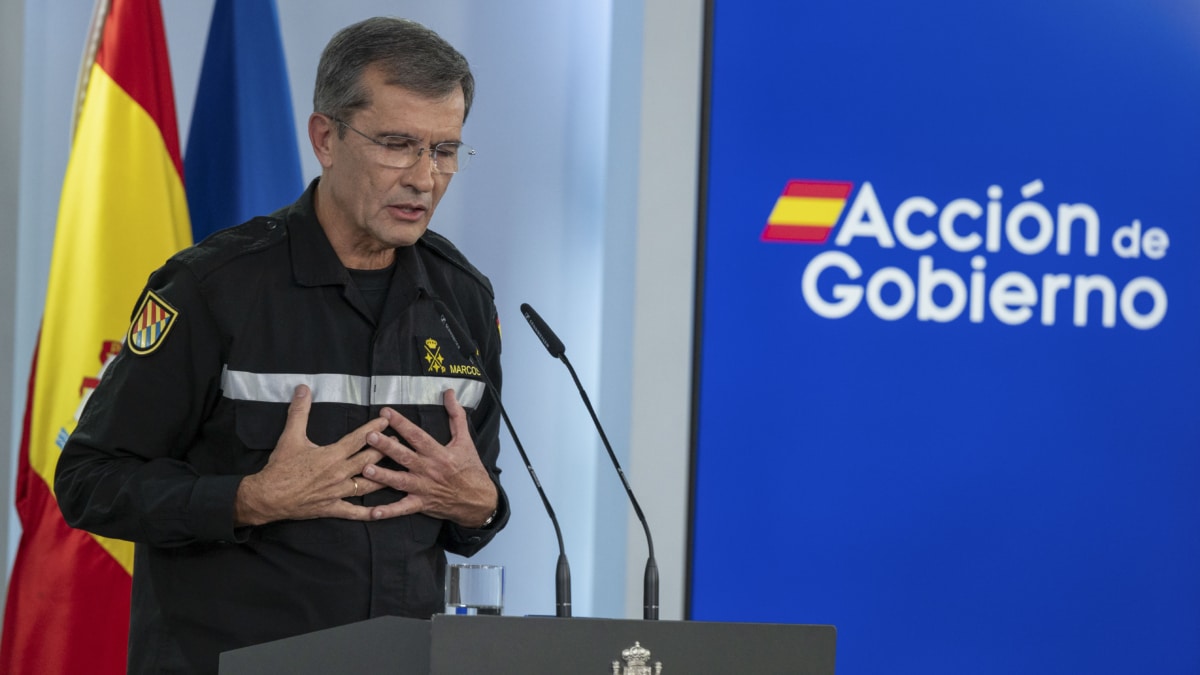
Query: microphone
column 558, row 350
column 562, row 576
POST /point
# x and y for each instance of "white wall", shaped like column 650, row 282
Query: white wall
column 665, row 250
column 12, row 20
column 559, row 211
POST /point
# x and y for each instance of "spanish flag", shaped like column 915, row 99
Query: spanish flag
column 122, row 214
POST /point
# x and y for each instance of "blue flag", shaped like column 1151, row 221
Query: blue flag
column 241, row 159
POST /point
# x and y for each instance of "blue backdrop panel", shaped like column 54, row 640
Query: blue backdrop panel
column 965, row 426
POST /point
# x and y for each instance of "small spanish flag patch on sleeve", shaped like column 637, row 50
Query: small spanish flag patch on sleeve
column 151, row 323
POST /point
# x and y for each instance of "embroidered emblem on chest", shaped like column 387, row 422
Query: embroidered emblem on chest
column 433, row 356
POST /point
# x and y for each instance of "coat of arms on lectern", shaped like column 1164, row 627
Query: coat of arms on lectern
column 635, row 662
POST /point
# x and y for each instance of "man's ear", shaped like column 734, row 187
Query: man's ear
column 321, row 133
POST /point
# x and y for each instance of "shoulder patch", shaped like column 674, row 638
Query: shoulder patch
column 225, row 246
column 151, row 323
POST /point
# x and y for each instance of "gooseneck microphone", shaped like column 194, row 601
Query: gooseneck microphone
column 562, row 576
column 558, row 350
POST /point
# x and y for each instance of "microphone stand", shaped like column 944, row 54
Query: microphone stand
column 562, row 575
column 650, row 577
column 559, row 351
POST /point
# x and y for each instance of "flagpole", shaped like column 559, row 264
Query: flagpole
column 95, row 32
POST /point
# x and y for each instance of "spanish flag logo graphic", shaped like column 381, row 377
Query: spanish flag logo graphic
column 150, row 324
column 807, row 211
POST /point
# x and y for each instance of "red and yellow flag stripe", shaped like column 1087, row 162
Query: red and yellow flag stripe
column 122, row 213
column 807, row 211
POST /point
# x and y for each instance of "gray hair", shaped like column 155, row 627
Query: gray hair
column 409, row 54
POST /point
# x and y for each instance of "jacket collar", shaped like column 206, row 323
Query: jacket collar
column 315, row 263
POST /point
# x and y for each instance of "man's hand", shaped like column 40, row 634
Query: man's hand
column 303, row 480
column 443, row 481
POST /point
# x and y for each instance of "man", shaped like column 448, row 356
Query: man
column 246, row 436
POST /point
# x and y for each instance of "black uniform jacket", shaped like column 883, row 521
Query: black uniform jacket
column 234, row 324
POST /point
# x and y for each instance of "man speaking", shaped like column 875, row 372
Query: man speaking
column 284, row 435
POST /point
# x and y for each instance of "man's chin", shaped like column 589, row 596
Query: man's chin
column 405, row 234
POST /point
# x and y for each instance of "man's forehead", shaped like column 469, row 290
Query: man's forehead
column 387, row 100
column 377, row 80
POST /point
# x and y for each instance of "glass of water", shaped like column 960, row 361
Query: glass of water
column 474, row 589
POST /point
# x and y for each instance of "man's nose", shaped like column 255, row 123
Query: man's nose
column 421, row 175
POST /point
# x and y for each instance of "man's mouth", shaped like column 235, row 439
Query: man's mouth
column 407, row 211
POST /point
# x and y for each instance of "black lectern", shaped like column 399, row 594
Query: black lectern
column 502, row 645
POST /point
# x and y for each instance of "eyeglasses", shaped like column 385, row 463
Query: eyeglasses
column 403, row 152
